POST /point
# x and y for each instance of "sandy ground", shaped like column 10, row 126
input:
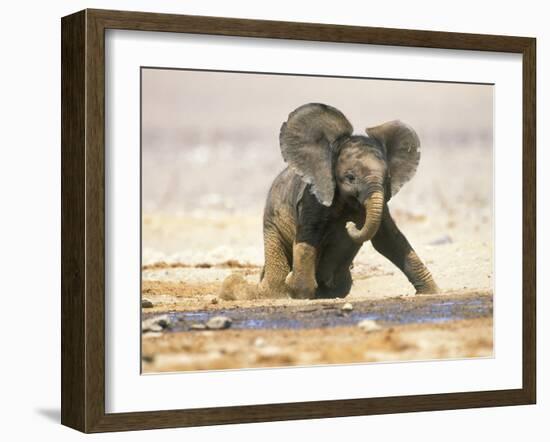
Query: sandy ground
column 187, row 257
column 214, row 350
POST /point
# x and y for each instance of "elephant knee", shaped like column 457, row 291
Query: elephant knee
column 300, row 287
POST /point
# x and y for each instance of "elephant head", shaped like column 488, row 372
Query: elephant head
column 317, row 143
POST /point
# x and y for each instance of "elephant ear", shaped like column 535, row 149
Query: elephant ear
column 310, row 141
column 402, row 151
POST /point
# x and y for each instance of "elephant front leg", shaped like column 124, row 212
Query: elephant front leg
column 419, row 275
column 301, row 280
column 312, row 219
column 390, row 242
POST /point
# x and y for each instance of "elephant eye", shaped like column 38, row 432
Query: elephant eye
column 350, row 178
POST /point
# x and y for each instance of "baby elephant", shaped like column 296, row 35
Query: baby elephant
column 332, row 198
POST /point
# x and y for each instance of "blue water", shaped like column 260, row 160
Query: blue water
column 295, row 317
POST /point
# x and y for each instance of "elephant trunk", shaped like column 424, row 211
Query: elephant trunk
column 374, row 205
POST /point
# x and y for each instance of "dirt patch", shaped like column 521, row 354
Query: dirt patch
column 229, row 264
column 152, row 289
column 229, row 349
column 236, row 287
column 275, row 333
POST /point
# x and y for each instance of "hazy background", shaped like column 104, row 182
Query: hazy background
column 210, row 139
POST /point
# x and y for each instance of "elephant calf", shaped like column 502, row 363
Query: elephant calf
column 332, row 198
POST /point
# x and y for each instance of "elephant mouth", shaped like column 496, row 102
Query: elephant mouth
column 353, row 203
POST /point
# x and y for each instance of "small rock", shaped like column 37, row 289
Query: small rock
column 145, row 303
column 270, row 352
column 445, row 239
column 368, row 325
column 259, row 342
column 150, row 327
column 219, row 323
column 347, row 307
column 198, row 326
column 151, row 334
column 155, row 324
column 214, row 300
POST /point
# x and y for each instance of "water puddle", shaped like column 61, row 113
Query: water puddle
column 390, row 311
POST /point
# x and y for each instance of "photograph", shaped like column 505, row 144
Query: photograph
column 302, row 220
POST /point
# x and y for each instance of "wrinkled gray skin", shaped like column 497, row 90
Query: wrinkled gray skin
column 331, row 199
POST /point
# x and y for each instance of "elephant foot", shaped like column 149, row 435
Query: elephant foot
column 267, row 291
column 300, row 287
column 428, row 288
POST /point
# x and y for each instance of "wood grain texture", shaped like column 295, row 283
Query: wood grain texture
column 95, row 221
column 83, row 220
column 529, row 220
column 73, row 129
column 145, row 21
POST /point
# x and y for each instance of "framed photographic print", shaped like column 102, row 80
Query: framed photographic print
column 270, row 220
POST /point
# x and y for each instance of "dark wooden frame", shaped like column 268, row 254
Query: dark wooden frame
column 83, row 216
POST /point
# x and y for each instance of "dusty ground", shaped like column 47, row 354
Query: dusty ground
column 213, row 350
column 187, row 257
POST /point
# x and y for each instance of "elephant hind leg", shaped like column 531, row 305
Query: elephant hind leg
column 276, row 267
